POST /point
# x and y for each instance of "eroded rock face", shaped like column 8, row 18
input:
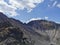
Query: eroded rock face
column 12, row 36
column 8, row 32
column 39, row 32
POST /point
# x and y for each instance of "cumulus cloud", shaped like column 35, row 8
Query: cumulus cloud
column 58, row 5
column 46, row 17
column 10, row 9
column 25, row 4
column 58, row 22
column 7, row 9
column 33, row 19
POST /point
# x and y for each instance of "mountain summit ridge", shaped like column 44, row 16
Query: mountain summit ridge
column 37, row 32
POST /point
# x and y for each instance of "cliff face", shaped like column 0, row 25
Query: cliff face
column 11, row 31
column 38, row 32
column 48, row 29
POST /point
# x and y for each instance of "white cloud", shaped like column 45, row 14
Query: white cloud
column 33, row 19
column 46, row 17
column 22, row 4
column 54, row 4
column 58, row 5
column 57, row 22
column 10, row 9
column 7, row 9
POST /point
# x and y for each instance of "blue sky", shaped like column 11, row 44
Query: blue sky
column 26, row 10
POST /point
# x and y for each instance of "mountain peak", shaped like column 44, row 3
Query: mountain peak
column 2, row 14
column 3, row 17
column 42, row 24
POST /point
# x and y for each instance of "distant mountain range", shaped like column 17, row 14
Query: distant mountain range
column 37, row 32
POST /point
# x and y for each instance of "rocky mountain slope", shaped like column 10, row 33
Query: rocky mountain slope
column 37, row 32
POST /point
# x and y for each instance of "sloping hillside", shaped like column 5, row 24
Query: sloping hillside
column 37, row 32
